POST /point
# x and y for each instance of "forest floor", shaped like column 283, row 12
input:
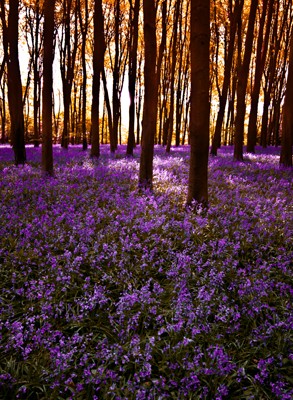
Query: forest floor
column 108, row 293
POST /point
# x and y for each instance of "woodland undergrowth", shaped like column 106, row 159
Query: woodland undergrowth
column 110, row 293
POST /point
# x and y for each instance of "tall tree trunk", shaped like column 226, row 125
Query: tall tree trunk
column 262, row 47
column 134, row 13
column 279, row 95
column 14, row 81
column 36, row 74
column 109, row 112
column 242, row 84
column 139, row 102
column 172, row 78
column 287, row 125
column 83, row 22
column 3, row 114
column 67, row 65
column 185, row 127
column 265, row 116
column 150, row 97
column 181, row 71
column 116, row 71
column 216, row 142
column 98, row 65
column 159, row 63
column 165, row 84
column 73, row 115
column 200, row 107
column 47, row 95
column 279, row 23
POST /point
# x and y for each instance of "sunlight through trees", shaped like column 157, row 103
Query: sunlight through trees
column 99, row 96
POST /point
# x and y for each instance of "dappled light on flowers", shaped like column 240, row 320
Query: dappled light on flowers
column 126, row 294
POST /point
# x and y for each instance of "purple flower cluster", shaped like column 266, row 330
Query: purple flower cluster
column 107, row 292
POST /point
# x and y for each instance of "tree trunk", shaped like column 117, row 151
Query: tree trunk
column 159, row 64
column 98, row 65
column 150, row 97
column 14, row 84
column 139, row 102
column 67, row 65
column 172, row 78
column 242, row 85
column 116, row 71
column 83, row 22
column 287, row 125
column 280, row 22
column 36, row 74
column 3, row 111
column 262, row 47
column 132, row 72
column 200, row 107
column 216, row 142
column 47, row 150
column 182, row 73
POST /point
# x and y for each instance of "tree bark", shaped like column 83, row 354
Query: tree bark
column 262, row 48
column 67, row 65
column 98, row 65
column 108, row 107
column 172, row 77
column 150, row 97
column 14, row 82
column 116, row 71
column 83, row 22
column 216, row 142
column 3, row 114
column 134, row 12
column 242, row 85
column 287, row 125
column 139, row 101
column 47, row 95
column 182, row 76
column 280, row 21
column 200, row 107
column 37, row 80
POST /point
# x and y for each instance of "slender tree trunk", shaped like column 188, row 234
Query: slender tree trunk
column 98, row 65
column 216, row 142
column 67, row 66
column 73, row 115
column 165, row 90
column 115, row 92
column 162, row 49
column 287, row 125
column 37, row 82
column 109, row 112
column 139, row 102
column 280, row 20
column 265, row 118
column 262, row 47
column 83, row 22
column 14, row 82
column 278, row 99
column 3, row 114
column 103, row 139
column 172, row 78
column 242, row 85
column 134, row 12
column 200, row 107
column 181, row 71
column 150, row 97
column 47, row 95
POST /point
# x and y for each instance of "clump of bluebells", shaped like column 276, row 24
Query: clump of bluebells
column 110, row 293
